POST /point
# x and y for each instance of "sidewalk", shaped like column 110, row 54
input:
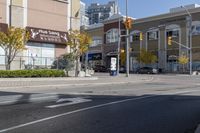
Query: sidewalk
column 71, row 81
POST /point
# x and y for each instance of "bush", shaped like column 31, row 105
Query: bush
column 31, row 73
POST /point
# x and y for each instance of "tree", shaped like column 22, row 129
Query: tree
column 183, row 60
column 79, row 43
column 146, row 57
column 65, row 61
column 13, row 42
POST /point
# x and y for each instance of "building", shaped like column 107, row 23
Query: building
column 97, row 12
column 105, row 37
column 155, row 31
column 83, row 15
column 47, row 21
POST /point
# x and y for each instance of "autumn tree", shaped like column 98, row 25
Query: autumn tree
column 13, row 42
column 146, row 57
column 79, row 43
column 183, row 60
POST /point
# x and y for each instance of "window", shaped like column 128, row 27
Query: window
column 40, row 54
column 173, row 33
column 196, row 28
column 152, row 35
column 112, row 36
column 2, row 56
column 96, row 41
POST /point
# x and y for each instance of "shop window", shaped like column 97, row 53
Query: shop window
column 112, row 36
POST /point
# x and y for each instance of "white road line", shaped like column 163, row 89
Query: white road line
column 72, row 112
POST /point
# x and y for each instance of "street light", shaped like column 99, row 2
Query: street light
column 189, row 26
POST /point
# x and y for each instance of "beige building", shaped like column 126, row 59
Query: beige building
column 155, row 31
column 47, row 21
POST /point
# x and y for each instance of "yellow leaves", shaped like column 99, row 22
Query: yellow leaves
column 183, row 59
column 147, row 57
column 79, row 42
column 15, row 38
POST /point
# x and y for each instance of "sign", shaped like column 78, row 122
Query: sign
column 113, row 66
column 45, row 35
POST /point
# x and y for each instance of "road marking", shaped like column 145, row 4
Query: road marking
column 72, row 112
column 71, row 101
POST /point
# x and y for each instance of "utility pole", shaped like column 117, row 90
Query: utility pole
column 10, row 14
column 189, row 27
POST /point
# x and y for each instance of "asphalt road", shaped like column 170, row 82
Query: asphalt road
column 165, row 105
column 105, row 114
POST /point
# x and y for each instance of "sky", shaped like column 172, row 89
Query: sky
column 145, row 8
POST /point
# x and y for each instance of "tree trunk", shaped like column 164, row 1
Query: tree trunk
column 7, row 63
column 77, row 68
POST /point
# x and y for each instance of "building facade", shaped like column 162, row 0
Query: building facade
column 155, row 31
column 97, row 12
column 47, row 22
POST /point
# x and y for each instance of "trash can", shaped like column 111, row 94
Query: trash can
column 113, row 73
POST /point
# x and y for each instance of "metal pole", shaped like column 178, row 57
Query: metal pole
column 118, row 50
column 127, row 44
column 190, row 37
column 10, row 14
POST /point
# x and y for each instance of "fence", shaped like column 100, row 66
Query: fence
column 28, row 62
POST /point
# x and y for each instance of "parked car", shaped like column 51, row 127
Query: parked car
column 99, row 68
column 147, row 70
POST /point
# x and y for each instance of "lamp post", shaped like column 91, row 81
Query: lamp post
column 189, row 27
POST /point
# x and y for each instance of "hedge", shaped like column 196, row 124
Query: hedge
column 31, row 73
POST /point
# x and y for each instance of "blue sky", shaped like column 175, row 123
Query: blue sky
column 144, row 8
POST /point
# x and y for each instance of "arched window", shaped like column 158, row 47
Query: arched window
column 112, row 36
column 196, row 28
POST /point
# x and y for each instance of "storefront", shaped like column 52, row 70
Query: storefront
column 44, row 46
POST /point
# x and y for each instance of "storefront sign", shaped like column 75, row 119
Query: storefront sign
column 45, row 35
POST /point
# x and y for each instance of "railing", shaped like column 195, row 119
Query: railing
column 28, row 62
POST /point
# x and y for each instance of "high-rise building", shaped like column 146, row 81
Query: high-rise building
column 97, row 12
column 83, row 15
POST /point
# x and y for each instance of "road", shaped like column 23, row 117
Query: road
column 166, row 105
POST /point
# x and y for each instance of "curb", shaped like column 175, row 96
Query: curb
column 49, row 79
column 80, row 84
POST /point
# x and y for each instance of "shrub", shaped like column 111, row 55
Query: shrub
column 31, row 73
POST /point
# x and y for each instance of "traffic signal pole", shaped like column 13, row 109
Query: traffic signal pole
column 127, row 42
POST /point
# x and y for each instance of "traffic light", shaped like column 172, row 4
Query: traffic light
column 169, row 40
column 122, row 51
column 128, row 23
column 141, row 36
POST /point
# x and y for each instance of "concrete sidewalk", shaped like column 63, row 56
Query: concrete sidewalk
column 71, row 81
